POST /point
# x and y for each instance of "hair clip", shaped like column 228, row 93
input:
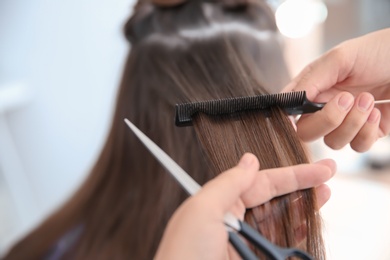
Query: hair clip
column 168, row 3
column 226, row 3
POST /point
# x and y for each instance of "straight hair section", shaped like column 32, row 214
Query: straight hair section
column 290, row 220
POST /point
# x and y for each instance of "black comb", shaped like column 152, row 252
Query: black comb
column 294, row 103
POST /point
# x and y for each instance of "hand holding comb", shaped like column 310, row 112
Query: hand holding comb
column 294, row 103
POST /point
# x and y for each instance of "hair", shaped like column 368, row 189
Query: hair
column 194, row 51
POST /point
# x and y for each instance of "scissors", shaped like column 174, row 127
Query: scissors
column 233, row 225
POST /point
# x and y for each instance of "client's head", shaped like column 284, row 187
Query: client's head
column 203, row 50
column 193, row 51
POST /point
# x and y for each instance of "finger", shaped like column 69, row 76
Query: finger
column 223, row 192
column 292, row 85
column 384, row 125
column 275, row 182
column 321, row 123
column 322, row 74
column 353, row 122
column 238, row 209
column 323, row 195
column 368, row 134
column 300, row 224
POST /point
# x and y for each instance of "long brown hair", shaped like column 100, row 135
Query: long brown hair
column 194, row 51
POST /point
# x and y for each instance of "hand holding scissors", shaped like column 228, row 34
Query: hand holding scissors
column 198, row 228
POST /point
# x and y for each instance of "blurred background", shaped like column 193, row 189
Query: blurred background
column 60, row 65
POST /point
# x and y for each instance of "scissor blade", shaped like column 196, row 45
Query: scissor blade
column 185, row 180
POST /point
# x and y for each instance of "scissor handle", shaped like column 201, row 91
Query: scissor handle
column 241, row 248
column 272, row 251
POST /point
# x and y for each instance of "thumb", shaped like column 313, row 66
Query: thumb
column 224, row 191
column 320, row 75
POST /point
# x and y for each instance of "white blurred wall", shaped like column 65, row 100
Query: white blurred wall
column 63, row 59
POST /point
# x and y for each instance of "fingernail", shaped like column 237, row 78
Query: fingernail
column 365, row 102
column 247, row 161
column 346, row 101
column 374, row 116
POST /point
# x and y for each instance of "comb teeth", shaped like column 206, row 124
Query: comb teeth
column 185, row 111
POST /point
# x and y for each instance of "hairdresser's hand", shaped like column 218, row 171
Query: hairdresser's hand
column 348, row 78
column 196, row 230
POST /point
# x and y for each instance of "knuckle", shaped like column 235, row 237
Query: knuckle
column 272, row 188
column 333, row 143
column 196, row 203
column 362, row 144
column 356, row 124
column 331, row 119
column 360, row 148
column 337, row 54
column 365, row 138
column 304, row 136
